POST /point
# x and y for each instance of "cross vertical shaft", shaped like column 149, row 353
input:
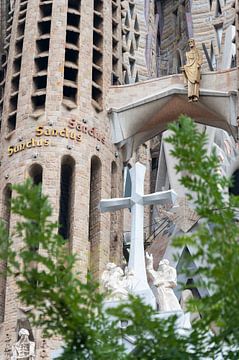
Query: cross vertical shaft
column 136, row 257
column 136, row 203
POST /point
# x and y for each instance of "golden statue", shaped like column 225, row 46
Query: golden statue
column 191, row 71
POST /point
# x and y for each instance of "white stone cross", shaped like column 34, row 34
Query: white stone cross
column 136, row 203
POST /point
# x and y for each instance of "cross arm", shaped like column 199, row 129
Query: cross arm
column 114, row 204
column 161, row 197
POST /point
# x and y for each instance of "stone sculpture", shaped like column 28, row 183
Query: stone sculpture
column 136, row 203
column 191, row 71
column 23, row 349
column 117, row 283
column 164, row 280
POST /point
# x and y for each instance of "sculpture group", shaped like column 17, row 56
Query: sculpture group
column 118, row 284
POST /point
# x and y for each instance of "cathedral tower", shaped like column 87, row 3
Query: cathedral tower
column 60, row 63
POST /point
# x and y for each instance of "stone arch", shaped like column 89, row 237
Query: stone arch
column 67, row 189
column 35, row 171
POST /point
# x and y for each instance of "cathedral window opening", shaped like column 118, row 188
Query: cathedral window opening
column 19, row 46
column 72, row 37
column 74, row 4
column 136, row 25
column 39, row 101
column 41, row 63
column 17, row 63
column 115, row 77
column 71, row 55
column 6, row 215
column 131, row 51
column 69, row 93
column 98, row 24
column 97, row 94
column 21, row 28
column 131, row 9
column 98, row 6
column 137, row 36
column 22, row 14
column 41, row 56
column 97, row 76
column 70, row 74
column 178, row 63
column 213, row 58
column 13, row 101
column 43, row 45
column 35, row 172
column 131, row 65
column 97, row 39
column 219, row 29
column 176, row 22
column 3, row 59
column 73, row 20
column 115, row 43
column 218, row 9
column 23, row 5
column 44, row 27
column 70, row 86
column 45, row 9
column 66, row 196
column 97, row 58
column 40, row 82
column 94, row 212
column 11, row 122
column 130, row 38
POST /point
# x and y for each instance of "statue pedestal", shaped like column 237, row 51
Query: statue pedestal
column 183, row 324
column 146, row 296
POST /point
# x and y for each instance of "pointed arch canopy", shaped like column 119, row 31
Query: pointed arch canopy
column 149, row 114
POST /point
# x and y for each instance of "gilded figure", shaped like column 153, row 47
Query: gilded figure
column 191, row 71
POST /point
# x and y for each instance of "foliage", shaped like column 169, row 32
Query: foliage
column 216, row 247
column 65, row 306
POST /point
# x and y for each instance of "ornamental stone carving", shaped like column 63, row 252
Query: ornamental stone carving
column 23, row 349
column 116, row 282
column 164, row 280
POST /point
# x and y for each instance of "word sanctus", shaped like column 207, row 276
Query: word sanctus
column 40, row 131
column 27, row 145
column 73, row 131
column 82, row 128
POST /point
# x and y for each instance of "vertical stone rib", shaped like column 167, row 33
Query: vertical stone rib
column 56, row 57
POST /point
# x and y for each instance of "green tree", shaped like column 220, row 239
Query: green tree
column 73, row 310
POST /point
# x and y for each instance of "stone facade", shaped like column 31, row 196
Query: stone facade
column 60, row 60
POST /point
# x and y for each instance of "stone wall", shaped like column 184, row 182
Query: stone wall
column 43, row 132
